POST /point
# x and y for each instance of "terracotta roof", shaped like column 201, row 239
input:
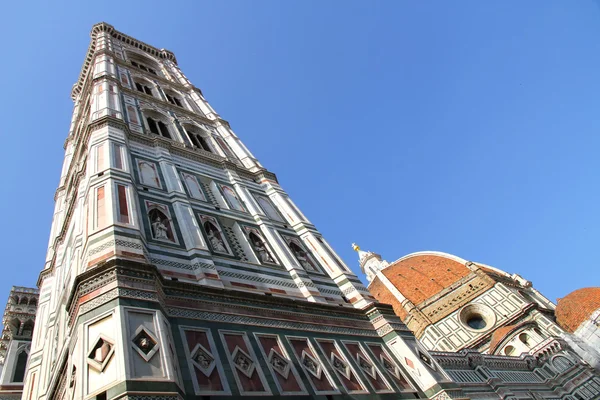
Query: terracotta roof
column 499, row 334
column 421, row 277
column 576, row 307
column 383, row 295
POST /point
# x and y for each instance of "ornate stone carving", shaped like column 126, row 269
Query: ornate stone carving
column 366, row 366
column 340, row 365
column 145, row 343
column 311, row 365
column 243, row 362
column 203, row 359
column 279, row 363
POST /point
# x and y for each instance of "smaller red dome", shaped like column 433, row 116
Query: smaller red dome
column 576, row 307
column 499, row 335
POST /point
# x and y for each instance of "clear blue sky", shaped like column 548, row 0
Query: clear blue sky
column 468, row 127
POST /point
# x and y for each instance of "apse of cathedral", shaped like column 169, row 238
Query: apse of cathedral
column 179, row 268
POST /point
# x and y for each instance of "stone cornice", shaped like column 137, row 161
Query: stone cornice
column 104, row 27
column 168, row 291
column 469, row 359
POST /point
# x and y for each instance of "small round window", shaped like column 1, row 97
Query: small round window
column 476, row 321
column 477, row 317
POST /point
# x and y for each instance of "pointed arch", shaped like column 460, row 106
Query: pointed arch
column 269, row 209
column 20, row 365
column 174, row 97
column 143, row 61
column 148, row 173
column 144, row 85
column 193, row 186
column 301, row 255
column 158, row 123
column 199, row 137
column 14, row 325
column 232, row 198
column 27, row 329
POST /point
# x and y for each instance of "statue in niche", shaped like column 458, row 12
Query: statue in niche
column 159, row 229
column 214, row 237
column 301, row 256
column 261, row 249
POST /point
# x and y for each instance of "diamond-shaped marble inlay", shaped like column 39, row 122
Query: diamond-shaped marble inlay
column 145, row 343
column 366, row 366
column 101, row 353
column 390, row 366
column 243, row 362
column 426, row 359
column 311, row 365
column 203, row 360
column 279, row 363
column 340, row 365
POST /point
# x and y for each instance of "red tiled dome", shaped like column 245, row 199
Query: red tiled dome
column 422, row 276
column 576, row 307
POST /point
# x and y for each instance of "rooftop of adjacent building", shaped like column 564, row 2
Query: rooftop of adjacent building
column 577, row 307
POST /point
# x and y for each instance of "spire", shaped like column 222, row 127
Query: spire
column 361, row 254
column 369, row 262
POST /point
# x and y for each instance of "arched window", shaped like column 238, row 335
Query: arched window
column 509, row 350
column 143, row 67
column 158, row 127
column 525, row 339
column 215, row 238
column 144, row 88
column 33, row 302
column 23, row 300
column 20, row 366
column 232, row 198
column 269, row 209
column 161, row 225
column 199, row 139
column 148, row 173
column 143, row 62
column 174, row 98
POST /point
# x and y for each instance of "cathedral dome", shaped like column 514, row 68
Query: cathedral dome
column 577, row 307
column 421, row 276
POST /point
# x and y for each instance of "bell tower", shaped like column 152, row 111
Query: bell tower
column 178, row 266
